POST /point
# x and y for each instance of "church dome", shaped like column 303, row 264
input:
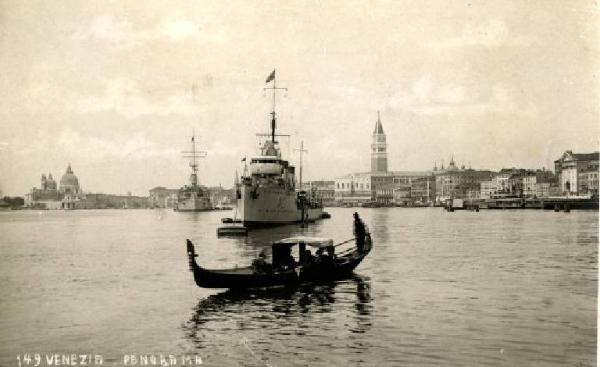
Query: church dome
column 69, row 180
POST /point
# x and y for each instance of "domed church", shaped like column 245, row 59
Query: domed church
column 69, row 182
column 48, row 196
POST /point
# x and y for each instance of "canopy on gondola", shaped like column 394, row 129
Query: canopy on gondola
column 318, row 242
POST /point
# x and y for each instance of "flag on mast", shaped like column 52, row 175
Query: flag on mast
column 271, row 76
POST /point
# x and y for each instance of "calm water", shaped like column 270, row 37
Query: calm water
column 494, row 288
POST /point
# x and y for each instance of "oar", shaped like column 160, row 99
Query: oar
column 341, row 243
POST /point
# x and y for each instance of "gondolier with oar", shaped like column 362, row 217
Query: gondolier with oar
column 359, row 233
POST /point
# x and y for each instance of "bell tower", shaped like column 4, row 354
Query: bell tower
column 379, row 149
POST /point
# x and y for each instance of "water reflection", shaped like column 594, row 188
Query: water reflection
column 277, row 309
column 380, row 223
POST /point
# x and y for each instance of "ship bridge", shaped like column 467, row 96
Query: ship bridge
column 269, row 165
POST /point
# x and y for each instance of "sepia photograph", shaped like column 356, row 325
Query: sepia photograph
column 299, row 183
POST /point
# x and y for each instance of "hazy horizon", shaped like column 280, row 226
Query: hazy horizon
column 116, row 88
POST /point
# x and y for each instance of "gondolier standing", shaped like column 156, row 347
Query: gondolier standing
column 359, row 233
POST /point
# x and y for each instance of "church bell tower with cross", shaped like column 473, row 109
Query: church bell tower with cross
column 379, row 162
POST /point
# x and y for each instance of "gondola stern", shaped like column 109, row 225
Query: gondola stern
column 191, row 251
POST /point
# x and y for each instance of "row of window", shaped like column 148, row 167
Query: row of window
column 261, row 160
column 352, row 185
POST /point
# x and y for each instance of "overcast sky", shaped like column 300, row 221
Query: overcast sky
column 115, row 88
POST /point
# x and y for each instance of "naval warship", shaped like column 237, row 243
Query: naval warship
column 193, row 197
column 267, row 193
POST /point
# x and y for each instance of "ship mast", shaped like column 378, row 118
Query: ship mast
column 192, row 155
column 274, row 88
column 302, row 151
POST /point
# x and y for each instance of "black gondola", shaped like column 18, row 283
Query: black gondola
column 284, row 270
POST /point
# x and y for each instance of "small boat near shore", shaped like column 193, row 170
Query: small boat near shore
column 284, row 270
column 232, row 229
column 230, row 220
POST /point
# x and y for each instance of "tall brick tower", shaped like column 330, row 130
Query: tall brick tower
column 379, row 149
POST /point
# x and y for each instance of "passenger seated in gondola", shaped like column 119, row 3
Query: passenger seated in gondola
column 309, row 259
column 324, row 259
column 260, row 265
column 290, row 262
column 287, row 260
column 331, row 251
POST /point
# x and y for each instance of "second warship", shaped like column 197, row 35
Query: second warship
column 193, row 197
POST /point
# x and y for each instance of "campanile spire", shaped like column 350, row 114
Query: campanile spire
column 379, row 148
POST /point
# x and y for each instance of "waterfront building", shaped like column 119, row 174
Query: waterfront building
column 384, row 194
column 379, row 184
column 44, row 197
column 422, row 189
column 69, row 195
column 487, row 188
column 530, row 184
column 420, row 183
column 537, row 183
column 547, row 189
column 518, row 182
column 403, row 196
column 323, row 190
column 508, row 182
column 568, row 167
column 587, row 181
column 221, row 197
column 161, row 197
column 382, row 186
column 455, row 182
column 501, row 182
column 473, row 194
column 364, row 187
column 353, row 189
column 69, row 187
column 515, row 182
column 66, row 196
column 467, row 190
column 109, row 201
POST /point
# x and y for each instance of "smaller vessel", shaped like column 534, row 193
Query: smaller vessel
column 223, row 207
column 325, row 215
column 232, row 229
column 284, row 270
column 193, row 197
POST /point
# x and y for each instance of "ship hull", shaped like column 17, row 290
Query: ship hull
column 272, row 206
column 193, row 205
